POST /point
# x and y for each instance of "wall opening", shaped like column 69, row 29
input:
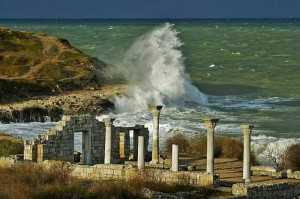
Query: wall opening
column 78, row 145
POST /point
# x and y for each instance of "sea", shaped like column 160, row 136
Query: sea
column 240, row 71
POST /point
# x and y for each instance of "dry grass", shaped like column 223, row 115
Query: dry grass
column 32, row 181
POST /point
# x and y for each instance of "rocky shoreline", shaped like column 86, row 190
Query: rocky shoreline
column 51, row 108
column 43, row 77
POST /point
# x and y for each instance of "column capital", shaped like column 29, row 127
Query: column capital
column 247, row 127
column 210, row 122
column 155, row 110
column 108, row 121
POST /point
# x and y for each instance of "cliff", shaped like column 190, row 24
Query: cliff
column 36, row 64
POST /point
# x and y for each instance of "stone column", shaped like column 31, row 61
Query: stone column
column 108, row 131
column 141, row 153
column 210, row 124
column 155, row 133
column 247, row 130
column 174, row 157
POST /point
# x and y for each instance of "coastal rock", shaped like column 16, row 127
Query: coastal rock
column 51, row 108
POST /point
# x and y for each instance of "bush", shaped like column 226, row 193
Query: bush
column 10, row 147
column 179, row 139
column 292, row 158
column 225, row 147
column 229, row 148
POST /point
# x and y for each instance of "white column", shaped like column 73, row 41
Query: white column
column 174, row 157
column 247, row 130
column 108, row 131
column 210, row 125
column 155, row 133
column 141, row 153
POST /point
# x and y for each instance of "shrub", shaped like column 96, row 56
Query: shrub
column 179, row 139
column 225, row 147
column 230, row 148
column 292, row 158
column 10, row 145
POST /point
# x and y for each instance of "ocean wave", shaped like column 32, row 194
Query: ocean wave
column 155, row 71
column 265, row 147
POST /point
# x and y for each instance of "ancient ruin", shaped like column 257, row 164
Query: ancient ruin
column 102, row 142
column 121, row 153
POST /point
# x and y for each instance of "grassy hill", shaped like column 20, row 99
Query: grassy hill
column 34, row 64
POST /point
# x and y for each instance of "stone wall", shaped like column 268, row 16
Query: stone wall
column 123, row 172
column 29, row 151
column 266, row 171
column 58, row 143
column 293, row 174
column 267, row 190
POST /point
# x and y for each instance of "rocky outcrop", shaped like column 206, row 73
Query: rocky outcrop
column 53, row 107
column 36, row 64
column 31, row 114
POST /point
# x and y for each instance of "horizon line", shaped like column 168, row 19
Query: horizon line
column 174, row 18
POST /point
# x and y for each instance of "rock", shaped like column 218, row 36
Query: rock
column 55, row 106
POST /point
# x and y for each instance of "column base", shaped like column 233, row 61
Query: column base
column 154, row 162
column 247, row 181
column 210, row 173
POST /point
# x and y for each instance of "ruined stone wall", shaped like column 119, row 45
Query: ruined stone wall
column 98, row 143
column 29, row 151
column 123, row 172
column 293, row 174
column 266, row 171
column 267, row 190
column 58, row 142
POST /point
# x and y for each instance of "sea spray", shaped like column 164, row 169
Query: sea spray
column 155, row 71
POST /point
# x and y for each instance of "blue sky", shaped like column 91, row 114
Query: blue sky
column 149, row 8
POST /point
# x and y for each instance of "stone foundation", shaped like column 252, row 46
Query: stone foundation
column 123, row 172
column 267, row 190
column 293, row 174
column 266, row 171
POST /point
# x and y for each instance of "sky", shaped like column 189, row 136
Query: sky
column 149, row 8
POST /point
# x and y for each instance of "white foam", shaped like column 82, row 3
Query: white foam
column 154, row 67
column 264, row 146
column 26, row 130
